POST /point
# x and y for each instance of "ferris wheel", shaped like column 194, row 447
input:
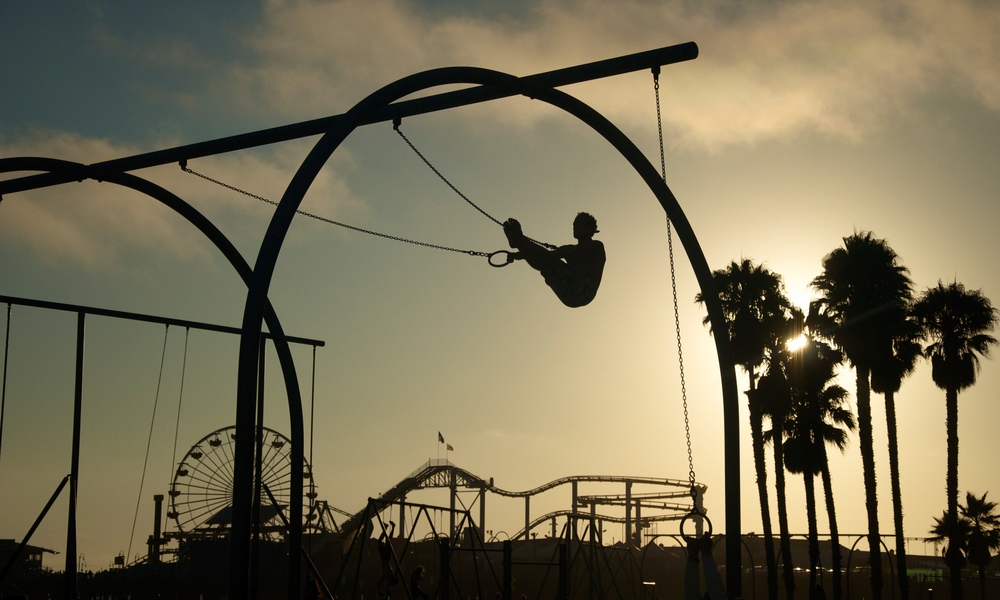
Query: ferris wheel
column 201, row 494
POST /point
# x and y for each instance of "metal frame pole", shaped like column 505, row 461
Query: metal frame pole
column 74, row 474
column 560, row 77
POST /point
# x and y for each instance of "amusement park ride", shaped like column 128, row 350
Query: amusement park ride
column 221, row 486
column 200, row 516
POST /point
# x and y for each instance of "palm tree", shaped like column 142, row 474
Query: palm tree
column 819, row 417
column 776, row 403
column 887, row 377
column 984, row 533
column 860, row 283
column 956, row 320
column 754, row 304
column 953, row 531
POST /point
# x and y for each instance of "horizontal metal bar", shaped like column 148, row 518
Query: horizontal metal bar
column 407, row 108
column 118, row 314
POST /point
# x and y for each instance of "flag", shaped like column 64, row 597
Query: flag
column 440, row 437
column 450, row 449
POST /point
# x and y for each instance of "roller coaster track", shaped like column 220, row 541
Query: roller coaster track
column 439, row 474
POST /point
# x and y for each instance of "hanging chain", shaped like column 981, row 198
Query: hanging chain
column 185, row 168
column 395, row 125
column 673, row 287
column 180, row 398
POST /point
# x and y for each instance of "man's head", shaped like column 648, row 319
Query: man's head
column 584, row 226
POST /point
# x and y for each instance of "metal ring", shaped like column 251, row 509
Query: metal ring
column 695, row 513
column 489, row 258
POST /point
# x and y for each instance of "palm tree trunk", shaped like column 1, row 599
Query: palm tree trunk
column 831, row 514
column 779, row 484
column 897, row 498
column 813, row 534
column 868, row 465
column 757, row 437
column 951, row 422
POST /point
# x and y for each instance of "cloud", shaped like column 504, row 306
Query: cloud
column 767, row 70
column 94, row 225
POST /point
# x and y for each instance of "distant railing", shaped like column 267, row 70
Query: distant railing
column 437, row 462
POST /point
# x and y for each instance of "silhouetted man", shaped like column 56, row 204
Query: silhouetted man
column 573, row 271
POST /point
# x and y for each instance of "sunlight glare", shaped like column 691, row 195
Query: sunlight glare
column 796, row 343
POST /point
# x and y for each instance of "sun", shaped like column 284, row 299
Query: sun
column 796, row 343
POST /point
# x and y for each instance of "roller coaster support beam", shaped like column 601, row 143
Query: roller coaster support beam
column 465, row 97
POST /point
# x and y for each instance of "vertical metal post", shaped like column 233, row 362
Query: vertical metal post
column 445, row 585
column 402, row 517
column 638, row 524
column 508, row 569
column 592, row 558
column 628, row 512
column 154, row 546
column 258, row 473
column 527, row 517
column 575, row 507
column 563, row 572
column 74, row 473
column 482, row 513
column 453, row 488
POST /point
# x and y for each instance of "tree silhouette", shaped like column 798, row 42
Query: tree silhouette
column 775, row 401
column 860, row 283
column 975, row 532
column 754, row 305
column 819, row 416
column 956, row 321
column 887, row 377
column 984, row 533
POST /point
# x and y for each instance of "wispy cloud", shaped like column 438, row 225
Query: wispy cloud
column 92, row 224
column 766, row 71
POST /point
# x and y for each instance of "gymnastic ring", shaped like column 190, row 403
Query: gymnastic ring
column 489, row 258
column 696, row 513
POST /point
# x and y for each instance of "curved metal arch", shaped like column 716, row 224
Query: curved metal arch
column 291, row 199
column 229, row 251
column 850, row 555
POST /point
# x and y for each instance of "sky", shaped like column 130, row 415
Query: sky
column 799, row 124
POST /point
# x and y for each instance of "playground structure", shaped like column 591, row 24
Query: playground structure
column 382, row 105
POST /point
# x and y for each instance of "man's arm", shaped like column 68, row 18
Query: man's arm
column 565, row 251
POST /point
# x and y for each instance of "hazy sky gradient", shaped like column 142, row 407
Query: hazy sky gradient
column 799, row 123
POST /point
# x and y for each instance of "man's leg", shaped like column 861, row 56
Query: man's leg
column 538, row 257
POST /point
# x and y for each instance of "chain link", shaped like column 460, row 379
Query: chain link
column 673, row 287
column 332, row 222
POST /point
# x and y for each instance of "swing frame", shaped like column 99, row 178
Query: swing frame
column 384, row 105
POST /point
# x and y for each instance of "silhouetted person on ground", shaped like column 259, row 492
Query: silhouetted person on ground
column 692, row 587
column 389, row 578
column 415, row 578
column 573, row 271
